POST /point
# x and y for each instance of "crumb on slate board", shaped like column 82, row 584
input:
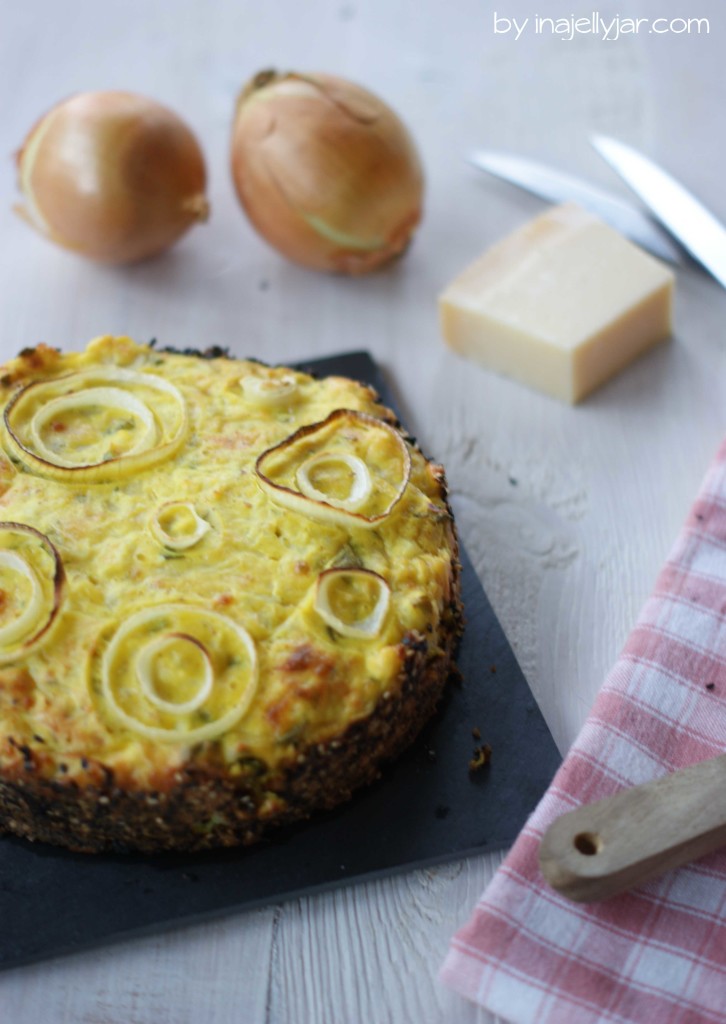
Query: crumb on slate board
column 481, row 758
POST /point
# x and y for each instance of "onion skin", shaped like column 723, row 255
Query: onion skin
column 326, row 172
column 114, row 176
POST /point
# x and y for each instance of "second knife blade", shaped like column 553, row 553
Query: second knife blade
column 558, row 187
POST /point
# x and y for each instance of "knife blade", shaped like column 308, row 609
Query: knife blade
column 557, row 187
column 684, row 215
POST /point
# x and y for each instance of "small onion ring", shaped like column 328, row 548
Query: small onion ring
column 108, row 469
column 8, row 634
column 268, row 390
column 202, row 732
column 115, row 398
column 179, row 543
column 145, row 674
column 11, row 632
column 365, row 628
column 360, row 489
column 324, row 510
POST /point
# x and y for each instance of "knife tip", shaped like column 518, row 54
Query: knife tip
column 604, row 144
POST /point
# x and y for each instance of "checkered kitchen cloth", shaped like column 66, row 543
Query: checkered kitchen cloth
column 656, row 955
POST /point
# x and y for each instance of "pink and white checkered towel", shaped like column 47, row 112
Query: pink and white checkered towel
column 656, row 955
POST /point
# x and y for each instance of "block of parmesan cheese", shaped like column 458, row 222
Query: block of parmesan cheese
column 561, row 305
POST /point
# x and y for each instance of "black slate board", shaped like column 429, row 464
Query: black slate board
column 426, row 809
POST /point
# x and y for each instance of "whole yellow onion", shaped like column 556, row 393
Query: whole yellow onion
column 326, row 171
column 112, row 175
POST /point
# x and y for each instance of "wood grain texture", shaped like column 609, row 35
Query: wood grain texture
column 567, row 513
column 602, row 849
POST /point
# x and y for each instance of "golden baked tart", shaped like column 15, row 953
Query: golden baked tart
column 228, row 594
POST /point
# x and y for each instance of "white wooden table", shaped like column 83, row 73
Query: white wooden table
column 567, row 555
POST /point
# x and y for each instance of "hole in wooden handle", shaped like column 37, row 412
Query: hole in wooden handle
column 588, row 843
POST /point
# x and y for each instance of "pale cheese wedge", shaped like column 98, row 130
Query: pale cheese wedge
column 562, row 304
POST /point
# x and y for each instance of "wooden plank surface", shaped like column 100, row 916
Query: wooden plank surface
column 567, row 513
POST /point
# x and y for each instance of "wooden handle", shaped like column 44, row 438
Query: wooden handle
column 605, row 848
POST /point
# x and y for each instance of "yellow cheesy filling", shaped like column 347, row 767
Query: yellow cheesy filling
column 159, row 589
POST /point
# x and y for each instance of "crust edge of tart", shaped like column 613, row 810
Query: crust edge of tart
column 205, row 809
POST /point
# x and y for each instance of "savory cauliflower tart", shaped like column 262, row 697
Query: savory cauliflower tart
column 228, row 594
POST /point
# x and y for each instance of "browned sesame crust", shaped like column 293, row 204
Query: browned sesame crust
column 204, row 806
